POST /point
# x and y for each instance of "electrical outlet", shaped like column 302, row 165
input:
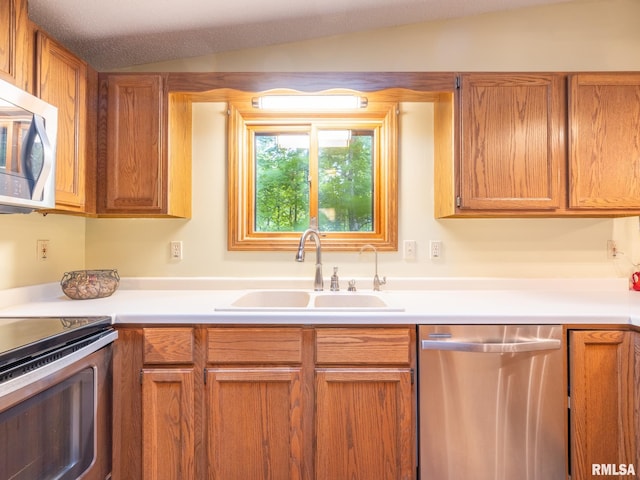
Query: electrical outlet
column 612, row 249
column 435, row 249
column 409, row 250
column 42, row 250
column 175, row 248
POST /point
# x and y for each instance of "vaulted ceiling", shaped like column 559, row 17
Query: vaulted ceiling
column 111, row 34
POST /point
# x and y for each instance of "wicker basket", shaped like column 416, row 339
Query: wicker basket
column 87, row 284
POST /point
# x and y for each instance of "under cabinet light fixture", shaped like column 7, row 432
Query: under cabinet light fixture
column 309, row 102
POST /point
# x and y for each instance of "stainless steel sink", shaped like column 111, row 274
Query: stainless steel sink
column 273, row 299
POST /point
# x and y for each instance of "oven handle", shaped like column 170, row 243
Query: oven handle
column 17, row 383
column 493, row 347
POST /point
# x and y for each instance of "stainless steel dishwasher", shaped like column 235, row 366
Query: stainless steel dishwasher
column 492, row 402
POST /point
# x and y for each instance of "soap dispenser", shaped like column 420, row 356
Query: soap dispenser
column 335, row 285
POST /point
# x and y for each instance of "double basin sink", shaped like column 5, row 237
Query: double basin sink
column 312, row 301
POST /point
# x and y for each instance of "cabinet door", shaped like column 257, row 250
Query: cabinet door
column 602, row 400
column 132, row 174
column 62, row 81
column 254, row 423
column 363, row 425
column 604, row 141
column 511, row 137
column 168, row 423
column 16, row 44
column 8, row 40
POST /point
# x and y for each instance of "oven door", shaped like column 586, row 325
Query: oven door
column 58, row 426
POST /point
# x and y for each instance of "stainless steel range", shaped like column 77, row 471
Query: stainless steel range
column 55, row 397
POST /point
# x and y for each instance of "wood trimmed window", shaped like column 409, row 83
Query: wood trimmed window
column 289, row 169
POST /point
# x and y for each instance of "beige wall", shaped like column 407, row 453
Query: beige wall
column 580, row 35
column 501, row 247
column 19, row 234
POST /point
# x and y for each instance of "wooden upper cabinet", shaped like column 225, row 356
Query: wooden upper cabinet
column 538, row 144
column 8, row 40
column 604, row 141
column 137, row 175
column 16, row 44
column 62, row 80
column 133, row 179
column 511, row 141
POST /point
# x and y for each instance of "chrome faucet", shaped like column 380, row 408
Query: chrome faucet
column 376, row 280
column 312, row 232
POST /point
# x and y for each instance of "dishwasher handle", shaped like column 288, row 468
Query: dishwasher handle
column 493, row 347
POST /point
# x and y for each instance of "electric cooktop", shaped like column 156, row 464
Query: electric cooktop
column 27, row 337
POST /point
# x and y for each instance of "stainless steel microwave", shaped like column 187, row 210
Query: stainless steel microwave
column 28, row 132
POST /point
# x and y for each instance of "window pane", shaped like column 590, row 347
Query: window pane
column 281, row 182
column 342, row 177
column 345, row 191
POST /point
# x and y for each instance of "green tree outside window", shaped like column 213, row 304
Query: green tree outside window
column 344, row 175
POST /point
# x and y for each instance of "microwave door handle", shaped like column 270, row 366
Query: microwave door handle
column 493, row 347
column 47, row 157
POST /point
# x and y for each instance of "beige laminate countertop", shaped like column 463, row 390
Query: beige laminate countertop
column 411, row 301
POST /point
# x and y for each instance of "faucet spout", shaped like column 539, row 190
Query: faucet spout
column 376, row 279
column 318, row 282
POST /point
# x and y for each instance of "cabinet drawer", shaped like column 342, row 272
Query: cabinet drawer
column 254, row 345
column 168, row 345
column 363, row 346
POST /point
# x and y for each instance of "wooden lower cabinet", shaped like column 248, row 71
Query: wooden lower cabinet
column 156, row 380
column 364, row 426
column 364, row 420
column 257, row 403
column 264, row 403
column 168, row 423
column 254, row 423
column 602, row 398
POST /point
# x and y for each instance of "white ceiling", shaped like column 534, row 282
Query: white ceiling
column 111, row 34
